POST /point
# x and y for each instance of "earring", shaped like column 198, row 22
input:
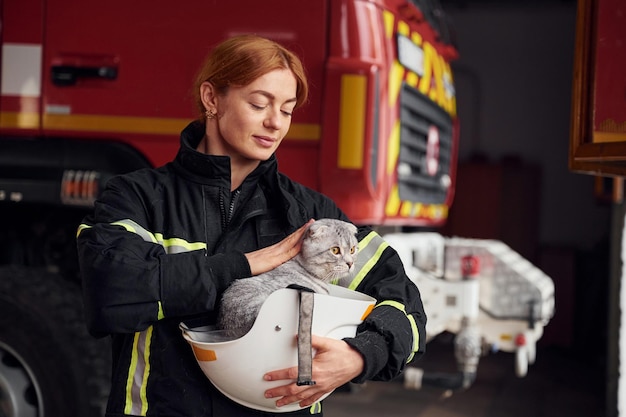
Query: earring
column 209, row 114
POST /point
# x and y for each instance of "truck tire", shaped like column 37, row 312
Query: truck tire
column 49, row 365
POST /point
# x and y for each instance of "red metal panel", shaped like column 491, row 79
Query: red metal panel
column 609, row 119
column 22, row 21
column 157, row 48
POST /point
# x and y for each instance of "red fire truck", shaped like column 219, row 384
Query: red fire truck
column 91, row 90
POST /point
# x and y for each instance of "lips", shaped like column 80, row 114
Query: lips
column 265, row 141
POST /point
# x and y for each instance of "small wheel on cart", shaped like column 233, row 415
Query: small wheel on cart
column 521, row 361
column 532, row 353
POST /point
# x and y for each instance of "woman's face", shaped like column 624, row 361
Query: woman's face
column 252, row 120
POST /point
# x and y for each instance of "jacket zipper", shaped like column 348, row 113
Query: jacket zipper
column 228, row 215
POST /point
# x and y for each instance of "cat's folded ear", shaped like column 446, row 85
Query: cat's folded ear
column 316, row 229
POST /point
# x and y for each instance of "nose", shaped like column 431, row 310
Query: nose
column 273, row 120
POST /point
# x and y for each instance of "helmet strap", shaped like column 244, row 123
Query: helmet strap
column 305, row 349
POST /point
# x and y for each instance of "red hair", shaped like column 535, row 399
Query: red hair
column 242, row 59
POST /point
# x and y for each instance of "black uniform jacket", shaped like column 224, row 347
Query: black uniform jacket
column 163, row 244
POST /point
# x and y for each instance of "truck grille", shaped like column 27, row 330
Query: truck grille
column 423, row 174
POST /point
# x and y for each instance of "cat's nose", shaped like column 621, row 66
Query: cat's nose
column 349, row 264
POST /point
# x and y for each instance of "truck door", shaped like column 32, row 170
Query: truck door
column 118, row 70
column 125, row 69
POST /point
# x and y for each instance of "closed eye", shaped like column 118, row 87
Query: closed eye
column 335, row 250
column 258, row 107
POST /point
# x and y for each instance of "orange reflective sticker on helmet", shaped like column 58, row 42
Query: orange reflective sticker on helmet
column 367, row 311
column 204, row 354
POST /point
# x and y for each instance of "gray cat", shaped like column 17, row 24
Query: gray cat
column 329, row 249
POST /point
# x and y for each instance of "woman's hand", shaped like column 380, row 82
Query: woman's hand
column 268, row 258
column 335, row 363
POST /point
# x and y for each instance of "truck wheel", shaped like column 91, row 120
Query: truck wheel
column 49, row 365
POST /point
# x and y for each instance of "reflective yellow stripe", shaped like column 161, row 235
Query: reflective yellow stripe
column 174, row 241
column 393, row 149
column 131, row 375
column 396, row 72
column 160, row 314
column 116, row 124
column 416, row 38
column 126, row 226
column 406, row 209
column 412, row 79
column 366, row 240
column 404, row 29
column 125, row 124
column 81, row 228
column 604, row 137
column 416, row 334
column 19, row 120
column 146, row 372
column 372, row 247
column 371, row 261
column 352, row 121
column 436, row 93
column 430, row 54
column 133, row 227
column 304, row 131
column 171, row 245
column 138, row 373
column 316, row 408
column 393, row 202
column 389, row 20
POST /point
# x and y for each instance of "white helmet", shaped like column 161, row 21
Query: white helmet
column 236, row 367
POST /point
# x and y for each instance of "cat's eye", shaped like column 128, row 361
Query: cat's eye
column 335, row 250
column 352, row 250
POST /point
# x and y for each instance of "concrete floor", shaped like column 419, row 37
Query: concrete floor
column 557, row 385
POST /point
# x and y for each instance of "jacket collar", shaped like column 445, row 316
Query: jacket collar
column 203, row 168
column 215, row 170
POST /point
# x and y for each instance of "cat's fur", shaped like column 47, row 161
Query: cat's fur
column 314, row 267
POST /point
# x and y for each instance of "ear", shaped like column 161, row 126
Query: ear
column 209, row 96
column 353, row 229
column 315, row 229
